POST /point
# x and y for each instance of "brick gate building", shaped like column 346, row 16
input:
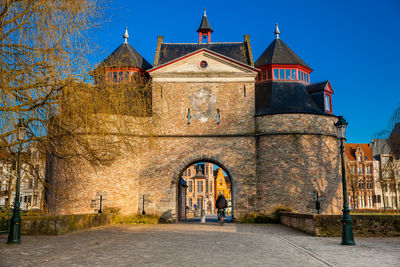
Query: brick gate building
column 263, row 122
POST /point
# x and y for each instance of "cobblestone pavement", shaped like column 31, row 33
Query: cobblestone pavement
column 195, row 244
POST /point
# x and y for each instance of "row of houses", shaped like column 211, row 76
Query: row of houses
column 373, row 174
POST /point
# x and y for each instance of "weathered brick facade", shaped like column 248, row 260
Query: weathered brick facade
column 209, row 115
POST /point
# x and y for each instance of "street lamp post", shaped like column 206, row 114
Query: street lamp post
column 14, row 234
column 347, row 223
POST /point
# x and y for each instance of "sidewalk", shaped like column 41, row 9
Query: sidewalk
column 194, row 244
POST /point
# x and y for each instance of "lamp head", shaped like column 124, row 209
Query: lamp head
column 341, row 126
column 21, row 130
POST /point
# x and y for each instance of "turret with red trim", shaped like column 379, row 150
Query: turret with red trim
column 204, row 29
column 122, row 65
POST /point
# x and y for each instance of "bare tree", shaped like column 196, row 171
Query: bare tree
column 389, row 167
column 45, row 78
column 352, row 177
column 43, row 46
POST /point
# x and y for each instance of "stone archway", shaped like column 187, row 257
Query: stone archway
column 193, row 160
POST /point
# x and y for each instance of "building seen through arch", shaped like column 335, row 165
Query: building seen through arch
column 205, row 181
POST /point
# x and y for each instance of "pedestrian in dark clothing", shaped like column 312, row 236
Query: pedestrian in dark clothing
column 221, row 202
column 221, row 205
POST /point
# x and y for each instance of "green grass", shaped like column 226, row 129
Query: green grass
column 137, row 219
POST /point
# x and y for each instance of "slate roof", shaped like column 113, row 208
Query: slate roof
column 126, row 56
column 316, row 87
column 279, row 53
column 204, row 25
column 380, row 146
column 284, row 97
column 351, row 150
column 236, row 51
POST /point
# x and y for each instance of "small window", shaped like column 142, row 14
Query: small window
column 190, row 186
column 115, row 76
column 203, row 64
column 270, row 74
column 361, row 184
column 120, row 76
column 126, row 76
column 259, row 76
column 281, row 74
column 276, row 74
column 264, row 75
column 327, row 103
column 293, row 76
column 287, row 74
column 298, row 75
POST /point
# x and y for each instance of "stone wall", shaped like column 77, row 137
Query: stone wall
column 272, row 160
column 330, row 225
column 297, row 155
column 56, row 225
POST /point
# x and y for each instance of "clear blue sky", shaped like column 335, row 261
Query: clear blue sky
column 354, row 44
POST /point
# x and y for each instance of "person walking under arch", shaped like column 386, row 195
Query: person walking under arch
column 221, row 205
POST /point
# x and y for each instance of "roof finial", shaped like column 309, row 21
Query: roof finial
column 205, row 14
column 126, row 35
column 277, row 32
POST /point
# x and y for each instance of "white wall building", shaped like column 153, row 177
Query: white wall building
column 32, row 177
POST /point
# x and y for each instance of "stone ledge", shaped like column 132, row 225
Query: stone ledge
column 330, row 225
column 57, row 225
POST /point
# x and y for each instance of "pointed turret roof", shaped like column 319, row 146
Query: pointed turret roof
column 126, row 56
column 279, row 53
column 204, row 25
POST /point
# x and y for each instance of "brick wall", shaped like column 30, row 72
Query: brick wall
column 282, row 163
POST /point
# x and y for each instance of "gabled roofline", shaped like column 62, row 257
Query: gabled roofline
column 327, row 84
column 204, row 50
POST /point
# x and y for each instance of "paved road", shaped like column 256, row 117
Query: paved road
column 194, row 244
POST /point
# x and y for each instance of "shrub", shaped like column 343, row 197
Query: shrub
column 111, row 210
column 137, row 219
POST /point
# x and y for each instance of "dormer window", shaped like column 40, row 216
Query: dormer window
column 328, row 103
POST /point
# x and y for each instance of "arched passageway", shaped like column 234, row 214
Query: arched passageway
column 200, row 183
